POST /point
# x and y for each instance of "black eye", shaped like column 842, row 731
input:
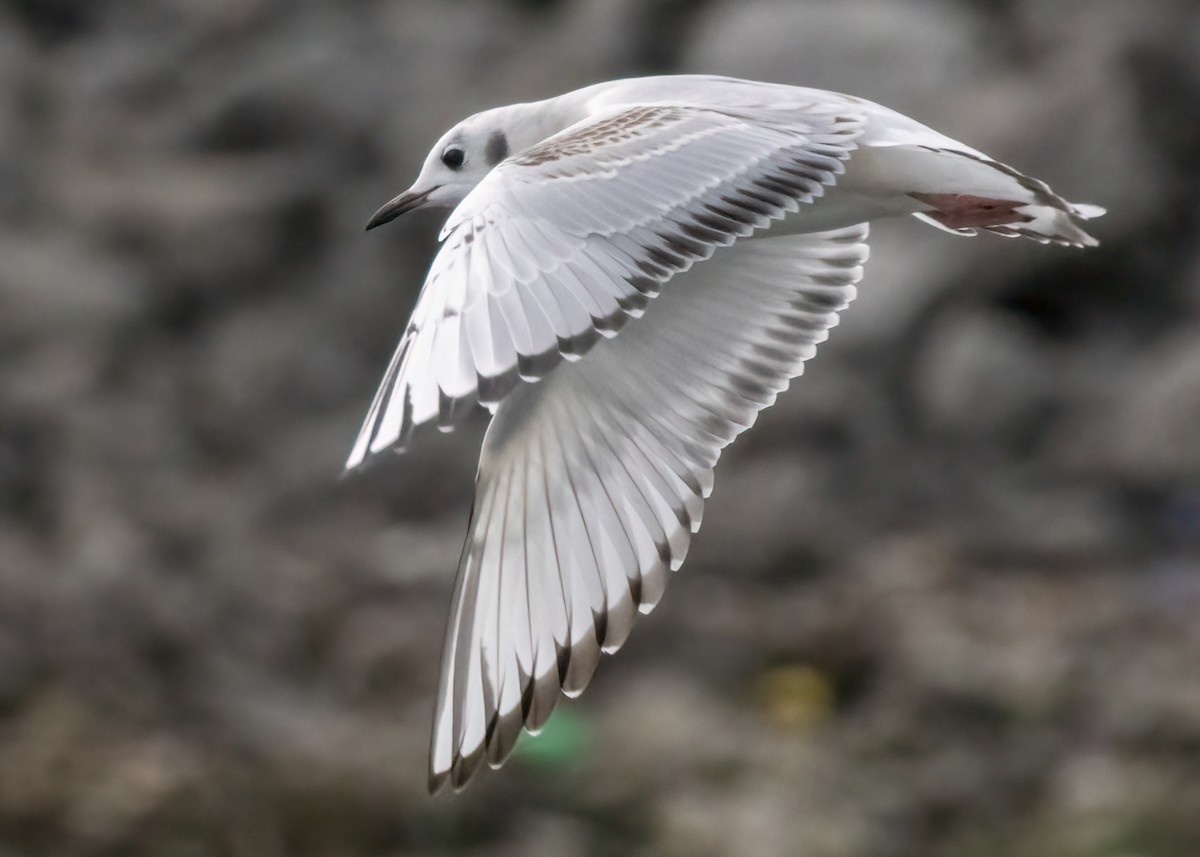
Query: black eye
column 453, row 157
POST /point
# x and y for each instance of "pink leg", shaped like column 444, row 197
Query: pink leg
column 963, row 211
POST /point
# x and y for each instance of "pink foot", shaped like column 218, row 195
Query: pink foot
column 964, row 211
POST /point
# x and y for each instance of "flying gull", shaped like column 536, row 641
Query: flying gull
column 660, row 255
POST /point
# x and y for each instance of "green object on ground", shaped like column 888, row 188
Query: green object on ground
column 562, row 740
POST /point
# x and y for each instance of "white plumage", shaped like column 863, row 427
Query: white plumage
column 729, row 218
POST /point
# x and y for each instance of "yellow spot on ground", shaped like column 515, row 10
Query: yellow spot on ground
column 795, row 697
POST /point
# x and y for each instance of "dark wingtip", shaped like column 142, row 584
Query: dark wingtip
column 436, row 781
column 464, row 767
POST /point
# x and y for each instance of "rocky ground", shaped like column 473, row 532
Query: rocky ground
column 946, row 600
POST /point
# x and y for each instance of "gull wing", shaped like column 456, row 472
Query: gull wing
column 564, row 241
column 591, row 482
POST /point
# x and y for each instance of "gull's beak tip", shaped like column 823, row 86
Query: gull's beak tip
column 402, row 204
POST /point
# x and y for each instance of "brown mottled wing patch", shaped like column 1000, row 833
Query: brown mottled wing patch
column 585, row 140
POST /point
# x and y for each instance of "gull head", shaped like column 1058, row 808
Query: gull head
column 464, row 156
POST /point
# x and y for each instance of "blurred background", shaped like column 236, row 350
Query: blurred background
column 947, row 597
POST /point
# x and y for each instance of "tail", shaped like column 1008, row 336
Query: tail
column 962, row 191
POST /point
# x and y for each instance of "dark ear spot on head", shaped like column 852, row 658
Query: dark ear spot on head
column 497, row 148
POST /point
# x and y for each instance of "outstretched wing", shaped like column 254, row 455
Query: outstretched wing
column 564, row 241
column 591, row 482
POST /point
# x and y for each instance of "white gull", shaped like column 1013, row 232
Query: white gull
column 661, row 255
